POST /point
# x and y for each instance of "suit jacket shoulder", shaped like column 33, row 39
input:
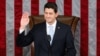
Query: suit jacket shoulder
column 65, row 26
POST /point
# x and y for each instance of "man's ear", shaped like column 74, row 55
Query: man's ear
column 57, row 14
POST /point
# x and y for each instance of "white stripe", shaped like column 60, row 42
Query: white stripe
column 76, row 12
column 77, row 38
column 27, row 8
column 92, row 28
column 41, row 6
column 27, row 51
column 10, row 28
column 60, row 4
column 76, row 8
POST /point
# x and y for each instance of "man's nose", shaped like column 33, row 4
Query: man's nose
column 48, row 15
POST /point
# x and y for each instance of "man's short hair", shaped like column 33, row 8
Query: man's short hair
column 51, row 5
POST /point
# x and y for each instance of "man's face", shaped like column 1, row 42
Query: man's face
column 50, row 15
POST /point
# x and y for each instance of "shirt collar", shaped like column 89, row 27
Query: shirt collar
column 54, row 24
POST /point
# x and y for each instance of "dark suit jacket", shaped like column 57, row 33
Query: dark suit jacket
column 63, row 38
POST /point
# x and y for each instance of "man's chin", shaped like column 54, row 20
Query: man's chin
column 48, row 21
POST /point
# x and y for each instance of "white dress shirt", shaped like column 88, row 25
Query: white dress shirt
column 47, row 29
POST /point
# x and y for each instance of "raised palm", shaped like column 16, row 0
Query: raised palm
column 24, row 20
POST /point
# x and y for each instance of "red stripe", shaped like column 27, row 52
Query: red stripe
column 68, row 7
column 18, row 14
column 2, row 28
column 51, row 0
column 98, row 27
column 35, row 7
column 34, row 11
column 84, row 28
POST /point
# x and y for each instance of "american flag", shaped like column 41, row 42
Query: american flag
column 87, row 37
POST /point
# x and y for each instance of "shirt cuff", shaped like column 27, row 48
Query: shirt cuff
column 21, row 30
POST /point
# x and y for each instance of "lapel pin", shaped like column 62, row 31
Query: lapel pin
column 58, row 27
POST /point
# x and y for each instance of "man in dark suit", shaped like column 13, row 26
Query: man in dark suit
column 51, row 37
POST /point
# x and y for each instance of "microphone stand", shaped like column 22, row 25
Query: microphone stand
column 49, row 47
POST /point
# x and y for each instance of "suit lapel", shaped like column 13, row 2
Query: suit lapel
column 45, row 34
column 57, row 31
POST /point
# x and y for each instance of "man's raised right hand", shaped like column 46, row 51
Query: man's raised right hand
column 24, row 20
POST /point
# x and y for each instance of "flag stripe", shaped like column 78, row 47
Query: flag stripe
column 26, row 8
column 76, row 12
column 34, row 11
column 2, row 28
column 51, row 0
column 68, row 7
column 10, row 28
column 18, row 14
column 84, row 28
column 35, row 7
column 76, row 8
column 98, row 28
column 77, row 39
column 41, row 6
column 60, row 4
column 92, row 28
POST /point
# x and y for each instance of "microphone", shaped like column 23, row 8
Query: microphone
column 49, row 38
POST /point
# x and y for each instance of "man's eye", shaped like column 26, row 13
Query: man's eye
column 50, row 13
column 46, row 13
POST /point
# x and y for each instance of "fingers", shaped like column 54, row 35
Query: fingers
column 25, row 15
